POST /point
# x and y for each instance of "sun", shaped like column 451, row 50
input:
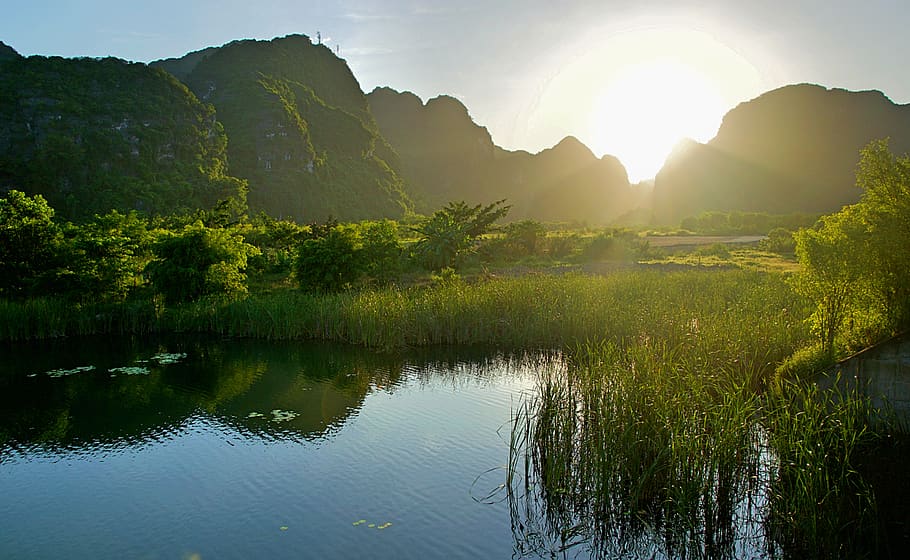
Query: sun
column 645, row 109
column 635, row 91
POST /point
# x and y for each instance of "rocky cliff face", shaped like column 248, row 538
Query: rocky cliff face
column 299, row 127
column 446, row 156
column 94, row 135
column 791, row 149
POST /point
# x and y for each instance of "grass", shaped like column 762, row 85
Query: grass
column 670, row 446
column 655, row 437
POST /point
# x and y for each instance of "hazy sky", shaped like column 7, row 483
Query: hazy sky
column 627, row 77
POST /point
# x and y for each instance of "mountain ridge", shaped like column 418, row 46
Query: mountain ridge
column 446, row 155
column 790, row 149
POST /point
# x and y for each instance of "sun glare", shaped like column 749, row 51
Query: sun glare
column 635, row 93
column 645, row 110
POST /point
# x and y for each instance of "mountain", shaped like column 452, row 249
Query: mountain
column 93, row 135
column 446, row 156
column 7, row 52
column 299, row 126
column 792, row 149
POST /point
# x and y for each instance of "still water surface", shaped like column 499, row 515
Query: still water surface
column 198, row 449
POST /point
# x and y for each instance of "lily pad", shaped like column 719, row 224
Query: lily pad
column 130, row 370
column 283, row 415
column 65, row 372
column 164, row 358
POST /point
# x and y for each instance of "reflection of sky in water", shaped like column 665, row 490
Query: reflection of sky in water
column 398, row 448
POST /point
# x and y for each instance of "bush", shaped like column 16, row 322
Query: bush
column 199, row 261
column 780, row 240
column 332, row 262
column 28, row 239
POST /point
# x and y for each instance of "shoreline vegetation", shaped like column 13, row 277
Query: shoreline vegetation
column 684, row 419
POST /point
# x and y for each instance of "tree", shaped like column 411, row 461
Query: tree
column 885, row 206
column 855, row 263
column 28, row 239
column 832, row 269
column 450, row 233
column 199, row 261
column 332, row 261
column 103, row 259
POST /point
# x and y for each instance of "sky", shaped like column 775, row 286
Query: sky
column 628, row 78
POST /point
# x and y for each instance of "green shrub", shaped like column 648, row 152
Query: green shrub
column 199, row 261
column 28, row 238
column 332, row 262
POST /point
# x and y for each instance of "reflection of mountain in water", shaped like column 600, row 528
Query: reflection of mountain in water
column 273, row 390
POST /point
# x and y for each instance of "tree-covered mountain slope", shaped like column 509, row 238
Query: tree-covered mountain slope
column 299, row 128
column 93, row 135
column 446, row 156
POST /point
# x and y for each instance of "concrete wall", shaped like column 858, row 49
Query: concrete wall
column 881, row 372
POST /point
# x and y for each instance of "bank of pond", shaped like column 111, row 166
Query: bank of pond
column 635, row 414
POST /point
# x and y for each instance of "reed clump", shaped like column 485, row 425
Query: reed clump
column 651, row 447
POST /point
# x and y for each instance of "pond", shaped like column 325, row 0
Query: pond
column 197, row 448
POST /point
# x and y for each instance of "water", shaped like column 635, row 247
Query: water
column 197, row 449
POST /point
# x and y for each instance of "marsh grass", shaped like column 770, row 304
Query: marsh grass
column 644, row 448
column 549, row 311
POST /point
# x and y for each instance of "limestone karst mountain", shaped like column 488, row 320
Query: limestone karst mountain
column 94, row 135
column 299, row 126
column 793, row 149
column 445, row 156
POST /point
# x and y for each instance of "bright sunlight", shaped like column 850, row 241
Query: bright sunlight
column 645, row 110
column 635, row 93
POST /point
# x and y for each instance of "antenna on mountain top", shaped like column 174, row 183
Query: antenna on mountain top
column 337, row 49
column 318, row 38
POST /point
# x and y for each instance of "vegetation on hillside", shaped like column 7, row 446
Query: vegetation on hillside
column 300, row 129
column 92, row 136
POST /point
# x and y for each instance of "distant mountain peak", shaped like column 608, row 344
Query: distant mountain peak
column 7, row 52
column 791, row 149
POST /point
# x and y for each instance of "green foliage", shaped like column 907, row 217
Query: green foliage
column 744, row 223
column 277, row 241
column 885, row 208
column 780, row 240
column 614, row 245
column 832, row 274
column 451, row 232
column 803, row 365
column 719, row 250
column 103, row 259
column 331, row 262
column 856, row 266
column 94, row 135
column 28, row 238
column 198, row 262
column 382, row 250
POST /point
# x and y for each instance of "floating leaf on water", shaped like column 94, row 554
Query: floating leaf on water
column 284, row 527
column 384, row 525
column 32, row 375
column 359, row 522
column 283, row 415
column 130, row 370
column 371, row 525
column 64, row 372
column 255, row 414
column 164, row 358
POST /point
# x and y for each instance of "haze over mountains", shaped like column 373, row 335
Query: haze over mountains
column 289, row 118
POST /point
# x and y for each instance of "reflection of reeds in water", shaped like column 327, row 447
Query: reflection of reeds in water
column 642, row 452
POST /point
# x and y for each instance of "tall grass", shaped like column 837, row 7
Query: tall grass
column 531, row 311
column 670, row 447
column 637, row 452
